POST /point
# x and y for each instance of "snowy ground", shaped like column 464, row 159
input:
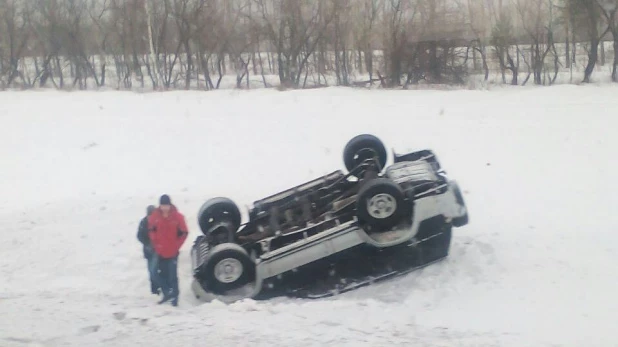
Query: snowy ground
column 537, row 265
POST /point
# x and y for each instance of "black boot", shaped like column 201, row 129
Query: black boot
column 166, row 297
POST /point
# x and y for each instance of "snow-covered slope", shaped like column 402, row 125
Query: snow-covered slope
column 537, row 266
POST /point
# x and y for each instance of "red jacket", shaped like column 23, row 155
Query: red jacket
column 167, row 234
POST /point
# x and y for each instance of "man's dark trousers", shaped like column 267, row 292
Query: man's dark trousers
column 153, row 269
column 169, row 279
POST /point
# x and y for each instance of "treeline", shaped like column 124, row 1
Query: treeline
column 195, row 44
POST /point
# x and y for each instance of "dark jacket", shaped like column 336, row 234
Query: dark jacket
column 142, row 236
column 167, row 233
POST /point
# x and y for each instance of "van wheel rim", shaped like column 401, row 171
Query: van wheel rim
column 381, row 206
column 228, row 270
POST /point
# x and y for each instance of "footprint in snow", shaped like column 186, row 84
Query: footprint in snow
column 89, row 329
column 89, row 146
column 18, row 339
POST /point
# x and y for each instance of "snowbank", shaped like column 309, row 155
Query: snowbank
column 536, row 267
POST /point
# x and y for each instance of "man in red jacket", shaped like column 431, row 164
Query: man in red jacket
column 168, row 231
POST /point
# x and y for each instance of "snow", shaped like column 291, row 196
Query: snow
column 536, row 266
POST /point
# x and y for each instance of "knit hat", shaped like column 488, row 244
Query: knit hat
column 150, row 209
column 165, row 200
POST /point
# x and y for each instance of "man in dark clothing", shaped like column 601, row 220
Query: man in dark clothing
column 168, row 231
column 149, row 254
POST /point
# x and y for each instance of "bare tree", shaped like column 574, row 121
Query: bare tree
column 399, row 16
column 477, row 19
column 340, row 40
column 588, row 15
column 536, row 21
column 502, row 40
column 365, row 33
column 15, row 26
column 296, row 27
column 156, row 32
column 609, row 8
